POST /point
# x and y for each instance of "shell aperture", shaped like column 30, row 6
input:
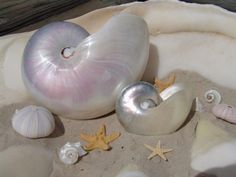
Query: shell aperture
column 166, row 117
column 76, row 86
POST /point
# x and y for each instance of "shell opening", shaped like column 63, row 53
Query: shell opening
column 67, row 52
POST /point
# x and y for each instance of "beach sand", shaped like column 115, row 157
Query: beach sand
column 129, row 148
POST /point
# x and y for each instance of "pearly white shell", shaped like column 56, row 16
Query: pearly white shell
column 131, row 171
column 213, row 96
column 163, row 118
column 33, row 122
column 70, row 153
column 76, row 84
column 225, row 112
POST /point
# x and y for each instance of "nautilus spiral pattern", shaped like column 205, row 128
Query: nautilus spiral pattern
column 142, row 110
column 79, row 76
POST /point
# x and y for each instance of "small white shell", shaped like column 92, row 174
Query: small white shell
column 33, row 122
column 213, row 96
column 225, row 112
column 70, row 153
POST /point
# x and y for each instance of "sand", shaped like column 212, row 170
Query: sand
column 37, row 160
column 128, row 148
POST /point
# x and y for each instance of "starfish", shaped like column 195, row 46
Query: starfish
column 100, row 140
column 158, row 151
column 161, row 85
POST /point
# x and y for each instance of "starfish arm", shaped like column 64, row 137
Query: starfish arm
column 102, row 145
column 149, row 147
column 162, row 156
column 166, row 150
column 161, row 85
column 102, row 131
column 153, row 154
column 158, row 145
column 89, row 147
column 111, row 137
column 88, row 138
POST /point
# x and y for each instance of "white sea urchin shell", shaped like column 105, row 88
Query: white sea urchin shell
column 33, row 122
column 70, row 153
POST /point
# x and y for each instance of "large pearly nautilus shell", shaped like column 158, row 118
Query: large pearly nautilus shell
column 79, row 77
column 140, row 110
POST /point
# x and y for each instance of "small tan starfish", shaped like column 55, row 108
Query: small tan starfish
column 161, row 85
column 100, row 140
column 157, row 151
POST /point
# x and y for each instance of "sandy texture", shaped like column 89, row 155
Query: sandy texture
column 128, row 148
column 38, row 161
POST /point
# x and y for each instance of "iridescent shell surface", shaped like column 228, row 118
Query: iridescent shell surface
column 162, row 114
column 79, row 77
column 71, row 152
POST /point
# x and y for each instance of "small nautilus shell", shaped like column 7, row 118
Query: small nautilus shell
column 213, row 96
column 72, row 73
column 225, row 112
column 142, row 110
column 33, row 122
column 71, row 152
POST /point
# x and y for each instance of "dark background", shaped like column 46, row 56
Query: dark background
column 17, row 14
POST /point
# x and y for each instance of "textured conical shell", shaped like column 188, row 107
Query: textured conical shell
column 213, row 148
column 225, row 112
column 33, row 122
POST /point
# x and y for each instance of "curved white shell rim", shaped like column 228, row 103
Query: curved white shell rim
column 103, row 63
column 33, row 122
column 162, row 119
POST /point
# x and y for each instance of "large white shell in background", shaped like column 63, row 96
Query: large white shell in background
column 162, row 118
column 70, row 153
column 85, row 84
column 131, row 171
column 33, row 122
column 213, row 149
